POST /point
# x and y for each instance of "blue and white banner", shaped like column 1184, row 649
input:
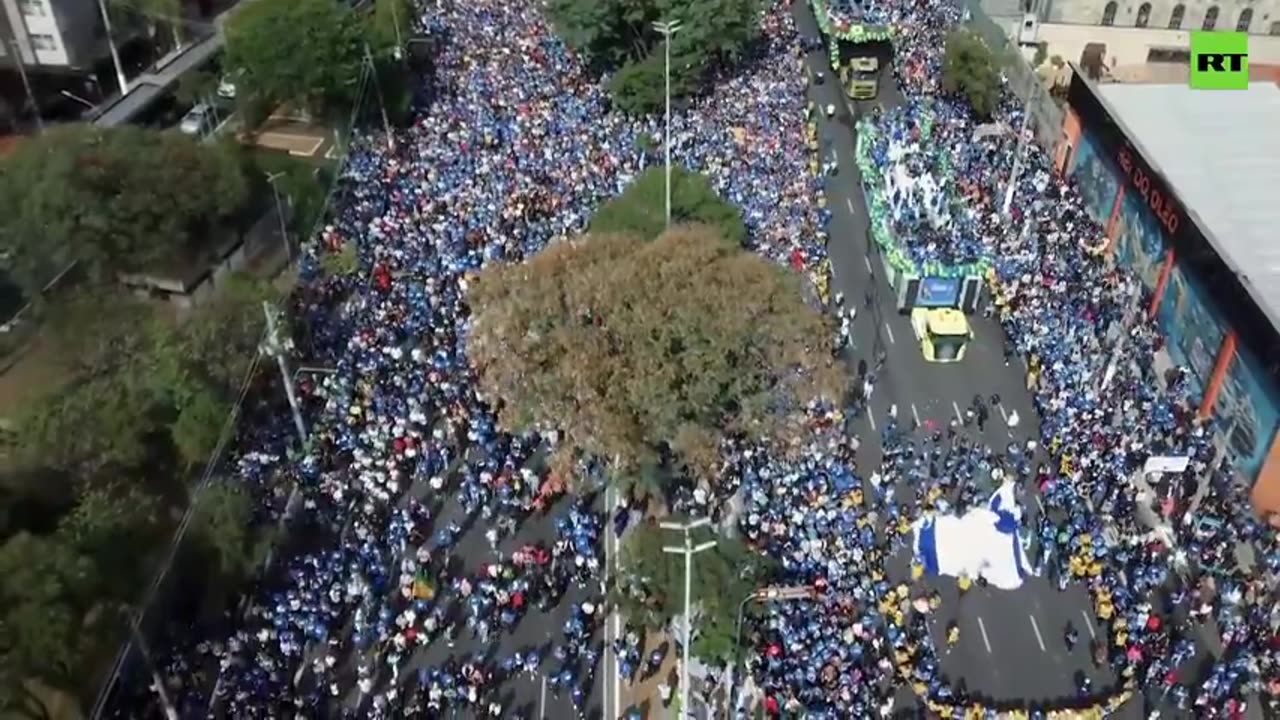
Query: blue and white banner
column 983, row 542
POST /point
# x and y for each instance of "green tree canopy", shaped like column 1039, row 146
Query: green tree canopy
column 307, row 53
column 969, row 69
column 642, row 208
column 619, row 34
column 639, row 350
column 650, row 590
column 222, row 523
column 46, row 587
column 115, row 199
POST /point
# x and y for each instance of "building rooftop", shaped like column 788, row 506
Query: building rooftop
column 1221, row 153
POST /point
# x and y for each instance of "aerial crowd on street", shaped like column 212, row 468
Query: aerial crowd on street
column 447, row 567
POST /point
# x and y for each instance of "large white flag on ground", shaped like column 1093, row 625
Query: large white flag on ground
column 984, row 541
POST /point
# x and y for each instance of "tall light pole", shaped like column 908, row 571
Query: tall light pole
column 111, row 45
column 21, row 66
column 284, row 230
column 1016, row 173
column 667, row 28
column 764, row 594
column 688, row 549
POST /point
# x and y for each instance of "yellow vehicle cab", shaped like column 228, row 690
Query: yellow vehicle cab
column 860, row 78
column 944, row 333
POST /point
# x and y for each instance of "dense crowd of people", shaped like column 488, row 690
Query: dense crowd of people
column 1154, row 567
column 513, row 148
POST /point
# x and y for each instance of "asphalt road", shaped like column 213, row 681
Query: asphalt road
column 1011, row 643
column 536, row 628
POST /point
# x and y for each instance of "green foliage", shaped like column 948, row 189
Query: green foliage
column 46, row 586
column 638, row 88
column 114, row 527
column 89, row 424
column 969, row 69
column 1042, row 53
column 391, row 26
column 651, row 587
column 306, row 53
column 198, row 427
column 195, row 87
column 117, row 199
column 345, row 261
column 641, row 210
column 632, row 346
column 222, row 525
column 619, row 34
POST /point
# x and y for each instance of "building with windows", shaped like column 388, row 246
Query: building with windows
column 52, row 35
column 1183, row 181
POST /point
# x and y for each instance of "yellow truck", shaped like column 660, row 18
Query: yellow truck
column 861, row 78
column 944, row 333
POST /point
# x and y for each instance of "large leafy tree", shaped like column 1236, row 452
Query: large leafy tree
column 642, row 208
column 650, row 352
column 970, row 69
column 113, row 199
column 46, row 587
column 651, row 590
column 619, row 34
column 308, row 53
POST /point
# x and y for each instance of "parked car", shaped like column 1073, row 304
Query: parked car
column 227, row 84
column 199, row 120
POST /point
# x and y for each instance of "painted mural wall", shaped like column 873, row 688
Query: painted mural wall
column 1248, row 407
column 1096, row 178
column 1248, row 411
column 1140, row 245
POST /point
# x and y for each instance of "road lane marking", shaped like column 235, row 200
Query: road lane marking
column 1036, row 626
column 1088, row 622
column 1003, row 414
column 890, row 331
column 866, row 259
column 982, row 628
column 542, row 699
column 849, row 203
column 915, row 414
column 1039, row 503
column 959, row 415
column 871, row 417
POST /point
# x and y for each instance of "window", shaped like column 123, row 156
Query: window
column 1210, row 19
column 1275, row 28
column 1175, row 19
column 1246, row 19
column 43, row 42
column 1109, row 14
column 1144, row 15
column 33, row 8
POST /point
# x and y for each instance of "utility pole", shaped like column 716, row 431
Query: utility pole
column 111, row 45
column 382, row 103
column 688, row 550
column 279, row 350
column 170, row 712
column 26, row 83
column 1016, row 174
column 284, row 230
column 667, row 28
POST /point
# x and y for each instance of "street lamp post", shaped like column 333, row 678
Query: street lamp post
column 111, row 45
column 284, row 230
column 667, row 28
column 764, row 594
column 688, row 549
column 1016, row 173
